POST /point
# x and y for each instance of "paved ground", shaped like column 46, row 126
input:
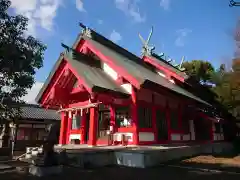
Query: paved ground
column 5, row 167
column 122, row 173
column 171, row 172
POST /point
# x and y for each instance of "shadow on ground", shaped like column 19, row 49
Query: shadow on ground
column 174, row 170
column 122, row 173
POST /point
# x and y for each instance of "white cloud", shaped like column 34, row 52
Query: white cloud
column 41, row 13
column 24, row 6
column 165, row 4
column 115, row 36
column 131, row 8
column 45, row 1
column 79, row 6
column 32, row 93
column 181, row 36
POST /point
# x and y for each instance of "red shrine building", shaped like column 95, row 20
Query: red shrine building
column 107, row 95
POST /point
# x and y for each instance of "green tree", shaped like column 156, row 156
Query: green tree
column 227, row 88
column 199, row 71
column 228, row 84
column 200, row 79
column 235, row 88
column 20, row 57
column 234, row 77
column 223, row 87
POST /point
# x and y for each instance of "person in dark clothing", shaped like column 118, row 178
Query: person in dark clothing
column 49, row 156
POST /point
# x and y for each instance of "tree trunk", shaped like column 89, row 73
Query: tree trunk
column 4, row 135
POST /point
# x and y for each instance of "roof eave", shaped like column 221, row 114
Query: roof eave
column 117, row 93
column 75, row 44
column 48, row 80
column 167, row 64
column 146, row 82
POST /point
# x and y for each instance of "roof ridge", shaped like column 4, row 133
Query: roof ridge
column 72, row 54
column 110, row 44
column 76, row 58
column 155, row 55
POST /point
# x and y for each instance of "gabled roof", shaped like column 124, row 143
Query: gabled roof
column 35, row 112
column 92, row 74
column 134, row 65
column 131, row 63
column 48, row 80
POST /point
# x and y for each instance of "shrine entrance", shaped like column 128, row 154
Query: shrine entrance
column 202, row 129
column 103, row 122
column 162, row 127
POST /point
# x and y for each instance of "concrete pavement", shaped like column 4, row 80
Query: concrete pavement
column 5, row 167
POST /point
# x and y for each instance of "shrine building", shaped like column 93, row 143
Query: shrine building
column 107, row 96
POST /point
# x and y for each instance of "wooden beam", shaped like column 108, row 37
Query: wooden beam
column 80, row 80
column 93, row 124
column 63, row 128
column 134, row 113
column 57, row 92
column 159, row 67
column 57, row 76
column 121, row 80
column 79, row 96
column 80, row 107
column 61, row 87
column 78, row 89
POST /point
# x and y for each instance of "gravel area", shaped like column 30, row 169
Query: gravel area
column 228, row 161
column 223, row 163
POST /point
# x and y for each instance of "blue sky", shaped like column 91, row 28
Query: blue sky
column 196, row 29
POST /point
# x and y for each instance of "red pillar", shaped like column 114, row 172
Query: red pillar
column 112, row 118
column 154, row 123
column 83, row 127
column 112, row 125
column 93, row 125
column 167, row 110
column 211, row 131
column 135, row 118
column 63, row 128
column 180, row 119
column 69, row 126
column 154, row 118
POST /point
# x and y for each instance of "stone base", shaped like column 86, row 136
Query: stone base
column 44, row 171
column 140, row 157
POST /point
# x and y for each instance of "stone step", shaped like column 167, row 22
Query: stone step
column 6, row 167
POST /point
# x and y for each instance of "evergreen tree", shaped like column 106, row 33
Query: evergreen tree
column 20, row 57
